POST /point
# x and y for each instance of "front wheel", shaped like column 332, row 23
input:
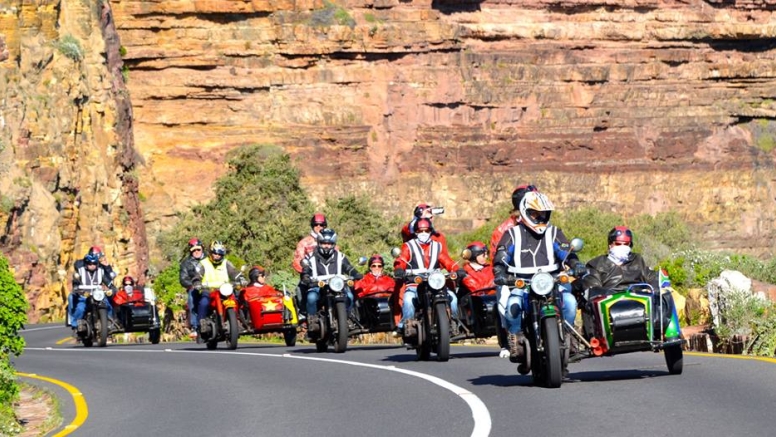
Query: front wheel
column 289, row 335
column 674, row 359
column 102, row 329
column 154, row 336
column 553, row 375
column 341, row 340
column 233, row 333
column 443, row 332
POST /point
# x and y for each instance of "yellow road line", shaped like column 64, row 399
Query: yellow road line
column 81, row 410
column 738, row 357
column 65, row 340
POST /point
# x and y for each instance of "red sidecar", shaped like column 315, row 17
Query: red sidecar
column 265, row 310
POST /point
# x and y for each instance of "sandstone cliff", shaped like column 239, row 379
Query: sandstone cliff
column 632, row 106
column 67, row 160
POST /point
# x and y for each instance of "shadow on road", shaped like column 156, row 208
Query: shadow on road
column 574, row 377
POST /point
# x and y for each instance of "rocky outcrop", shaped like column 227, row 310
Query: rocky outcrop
column 635, row 106
column 67, row 163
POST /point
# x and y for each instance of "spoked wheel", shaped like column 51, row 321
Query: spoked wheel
column 443, row 332
column 553, row 364
column 102, row 327
column 674, row 359
column 341, row 338
column 233, row 334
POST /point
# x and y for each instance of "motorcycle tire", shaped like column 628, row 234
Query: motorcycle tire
column 234, row 330
column 154, row 336
column 553, row 374
column 443, row 332
column 289, row 335
column 423, row 350
column 674, row 359
column 102, row 330
column 341, row 337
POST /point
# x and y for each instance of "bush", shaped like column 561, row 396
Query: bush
column 13, row 315
column 69, row 46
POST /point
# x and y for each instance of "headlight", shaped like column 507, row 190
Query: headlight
column 436, row 280
column 336, row 284
column 150, row 296
column 542, row 283
column 98, row 294
column 226, row 290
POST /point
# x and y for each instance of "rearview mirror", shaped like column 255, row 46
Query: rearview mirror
column 395, row 252
column 362, row 260
column 577, row 244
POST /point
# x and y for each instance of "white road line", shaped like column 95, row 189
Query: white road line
column 480, row 412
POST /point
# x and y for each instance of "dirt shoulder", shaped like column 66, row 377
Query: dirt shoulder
column 38, row 411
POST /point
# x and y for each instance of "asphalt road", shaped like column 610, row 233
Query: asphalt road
column 181, row 389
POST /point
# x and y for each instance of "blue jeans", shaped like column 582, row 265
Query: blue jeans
column 411, row 301
column 517, row 303
column 202, row 301
column 314, row 293
column 193, row 316
column 76, row 305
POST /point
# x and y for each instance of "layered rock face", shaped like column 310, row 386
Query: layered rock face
column 631, row 106
column 67, row 161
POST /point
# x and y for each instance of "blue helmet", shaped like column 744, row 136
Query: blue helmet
column 91, row 258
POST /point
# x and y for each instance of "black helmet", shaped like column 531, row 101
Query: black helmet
column 255, row 272
column 327, row 236
column 474, row 250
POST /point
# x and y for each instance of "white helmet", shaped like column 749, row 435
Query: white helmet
column 535, row 210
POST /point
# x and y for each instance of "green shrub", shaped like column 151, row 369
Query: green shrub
column 69, row 46
column 168, row 288
column 13, row 315
column 331, row 14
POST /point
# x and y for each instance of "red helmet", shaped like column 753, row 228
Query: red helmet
column 96, row 251
column 622, row 235
column 318, row 219
column 425, row 224
column 473, row 250
column 128, row 280
column 376, row 258
column 194, row 244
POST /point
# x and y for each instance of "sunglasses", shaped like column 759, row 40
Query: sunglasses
column 621, row 243
column 376, row 265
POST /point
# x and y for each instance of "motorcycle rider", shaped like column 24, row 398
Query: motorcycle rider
column 217, row 271
column 531, row 246
column 88, row 273
column 323, row 263
column 190, row 278
column 422, row 210
column 420, row 255
column 618, row 269
column 303, row 249
column 375, row 281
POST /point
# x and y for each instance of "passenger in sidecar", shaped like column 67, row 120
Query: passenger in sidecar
column 136, row 310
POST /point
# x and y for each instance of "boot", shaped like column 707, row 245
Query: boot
column 81, row 326
column 516, row 348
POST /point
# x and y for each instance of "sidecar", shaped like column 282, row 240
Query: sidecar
column 478, row 314
column 636, row 319
column 373, row 313
column 138, row 313
column 264, row 314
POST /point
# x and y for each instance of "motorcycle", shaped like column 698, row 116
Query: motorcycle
column 546, row 344
column 95, row 315
column 262, row 314
column 221, row 321
column 430, row 328
column 138, row 313
column 330, row 324
column 633, row 320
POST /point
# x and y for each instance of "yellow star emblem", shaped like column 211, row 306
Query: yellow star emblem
column 269, row 305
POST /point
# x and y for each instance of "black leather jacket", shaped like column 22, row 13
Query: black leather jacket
column 191, row 272
column 602, row 272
